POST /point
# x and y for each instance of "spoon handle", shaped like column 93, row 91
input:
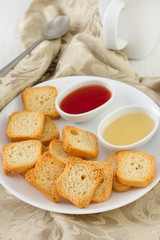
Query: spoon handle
column 13, row 63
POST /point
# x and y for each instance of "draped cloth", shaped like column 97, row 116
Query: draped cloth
column 79, row 52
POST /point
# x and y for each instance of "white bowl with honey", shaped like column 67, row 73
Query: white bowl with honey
column 128, row 128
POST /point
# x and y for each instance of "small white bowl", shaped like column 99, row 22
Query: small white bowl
column 83, row 117
column 123, row 111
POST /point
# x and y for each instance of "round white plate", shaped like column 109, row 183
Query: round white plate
column 124, row 95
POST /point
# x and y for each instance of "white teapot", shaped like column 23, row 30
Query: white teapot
column 132, row 26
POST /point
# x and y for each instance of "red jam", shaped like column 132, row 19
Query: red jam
column 85, row 99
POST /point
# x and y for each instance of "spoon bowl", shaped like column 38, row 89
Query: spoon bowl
column 56, row 27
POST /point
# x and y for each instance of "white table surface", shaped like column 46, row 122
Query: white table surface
column 10, row 14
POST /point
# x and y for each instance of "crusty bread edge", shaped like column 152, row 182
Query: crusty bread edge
column 20, row 138
column 37, row 186
column 79, row 204
column 22, row 168
column 80, row 153
column 136, row 183
column 56, row 115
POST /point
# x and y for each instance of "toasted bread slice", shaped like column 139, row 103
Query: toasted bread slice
column 44, row 149
column 135, row 168
column 117, row 187
column 19, row 157
column 56, row 148
column 45, row 174
column 24, row 125
column 79, row 181
column 50, row 131
column 80, row 142
column 104, row 189
column 41, row 99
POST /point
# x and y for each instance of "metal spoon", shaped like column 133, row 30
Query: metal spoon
column 54, row 29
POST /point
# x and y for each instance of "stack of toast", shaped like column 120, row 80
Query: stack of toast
column 67, row 169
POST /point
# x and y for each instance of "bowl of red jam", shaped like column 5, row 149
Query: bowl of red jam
column 84, row 101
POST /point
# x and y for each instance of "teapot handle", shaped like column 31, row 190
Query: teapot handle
column 110, row 26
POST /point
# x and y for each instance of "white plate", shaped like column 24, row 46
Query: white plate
column 124, row 95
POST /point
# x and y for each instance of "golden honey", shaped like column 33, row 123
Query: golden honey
column 128, row 129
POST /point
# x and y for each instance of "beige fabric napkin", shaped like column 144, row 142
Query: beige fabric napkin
column 80, row 52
